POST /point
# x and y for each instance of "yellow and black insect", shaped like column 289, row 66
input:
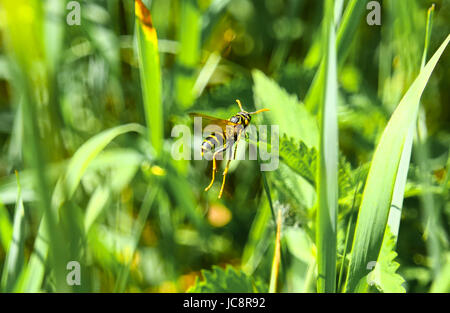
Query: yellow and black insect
column 220, row 141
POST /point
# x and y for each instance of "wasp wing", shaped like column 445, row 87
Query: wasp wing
column 211, row 120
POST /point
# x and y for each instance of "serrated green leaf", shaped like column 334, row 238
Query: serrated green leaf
column 384, row 276
column 286, row 111
column 299, row 158
column 228, row 280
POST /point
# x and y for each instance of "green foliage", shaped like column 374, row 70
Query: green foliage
column 15, row 258
column 374, row 210
column 6, row 228
column 87, row 114
column 384, row 276
column 150, row 74
column 64, row 190
column 228, row 280
column 327, row 161
column 285, row 110
column 298, row 157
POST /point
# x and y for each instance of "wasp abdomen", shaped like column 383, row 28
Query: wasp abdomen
column 212, row 142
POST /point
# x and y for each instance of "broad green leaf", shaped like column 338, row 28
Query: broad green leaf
column 228, row 280
column 327, row 163
column 384, row 276
column 15, row 257
column 303, row 161
column 293, row 120
column 377, row 196
column 299, row 243
column 299, row 158
column 285, row 110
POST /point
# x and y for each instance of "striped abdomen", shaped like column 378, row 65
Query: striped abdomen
column 213, row 141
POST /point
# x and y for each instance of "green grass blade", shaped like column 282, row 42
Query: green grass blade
column 190, row 31
column 15, row 257
column 276, row 257
column 137, row 232
column 442, row 282
column 430, row 207
column 95, row 206
column 6, row 228
column 347, row 29
column 430, row 15
column 327, row 169
column 64, row 190
column 257, row 241
column 347, row 236
column 150, row 73
column 26, row 48
column 377, row 196
column 84, row 156
column 395, row 212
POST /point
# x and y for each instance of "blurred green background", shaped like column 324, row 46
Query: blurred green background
column 74, row 104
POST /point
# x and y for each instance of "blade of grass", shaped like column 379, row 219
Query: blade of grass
column 150, row 73
column 395, row 212
column 430, row 210
column 64, row 190
column 276, row 256
column 347, row 236
column 96, row 203
column 258, row 240
column 327, row 169
column 347, row 29
column 272, row 210
column 26, row 48
column 377, row 195
column 137, row 232
column 190, row 31
column 309, row 286
column 15, row 257
column 6, row 228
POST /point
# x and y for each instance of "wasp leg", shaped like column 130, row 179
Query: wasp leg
column 214, row 166
column 228, row 164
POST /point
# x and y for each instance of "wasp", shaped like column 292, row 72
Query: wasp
column 221, row 141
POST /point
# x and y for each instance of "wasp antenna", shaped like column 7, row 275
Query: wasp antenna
column 259, row 111
column 239, row 104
